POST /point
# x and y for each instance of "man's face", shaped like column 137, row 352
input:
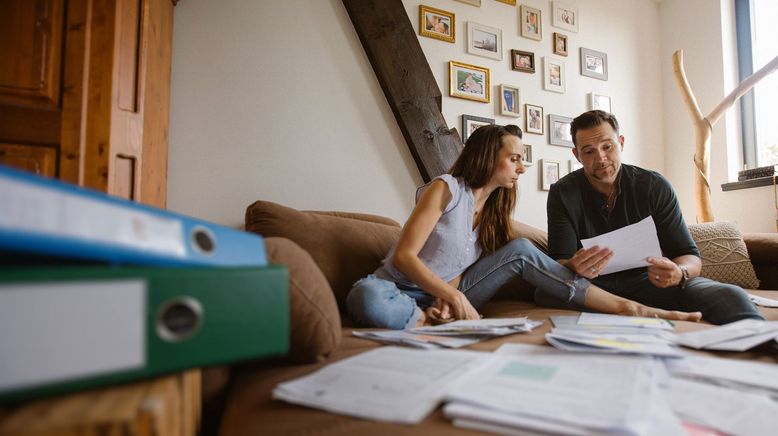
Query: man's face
column 599, row 151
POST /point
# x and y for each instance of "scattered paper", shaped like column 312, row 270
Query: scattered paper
column 631, row 245
column 736, row 336
column 602, row 319
column 762, row 301
column 402, row 337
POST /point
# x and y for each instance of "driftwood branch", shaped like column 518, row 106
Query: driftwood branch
column 703, row 127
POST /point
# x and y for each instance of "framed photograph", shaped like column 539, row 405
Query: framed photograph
column 509, row 101
column 437, row 23
column 564, row 16
column 533, row 116
column 470, row 123
column 484, row 41
column 549, row 173
column 601, row 102
column 476, row 3
column 573, row 165
column 553, row 74
column 523, row 61
column 530, row 23
column 560, row 44
column 468, row 81
column 528, row 162
column 508, row 2
column 559, row 131
column 594, row 64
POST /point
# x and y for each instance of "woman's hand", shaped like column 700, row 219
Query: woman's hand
column 459, row 307
column 637, row 309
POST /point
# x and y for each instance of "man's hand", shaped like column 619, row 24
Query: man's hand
column 663, row 272
column 589, row 262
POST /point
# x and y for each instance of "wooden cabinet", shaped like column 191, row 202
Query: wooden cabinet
column 85, row 90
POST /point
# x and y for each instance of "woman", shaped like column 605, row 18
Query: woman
column 458, row 247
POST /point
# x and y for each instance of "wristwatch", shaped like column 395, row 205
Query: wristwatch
column 684, row 277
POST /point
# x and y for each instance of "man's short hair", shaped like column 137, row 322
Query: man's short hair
column 590, row 119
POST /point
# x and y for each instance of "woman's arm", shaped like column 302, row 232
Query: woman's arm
column 414, row 235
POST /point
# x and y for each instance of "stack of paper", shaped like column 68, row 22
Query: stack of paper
column 453, row 335
column 613, row 334
column 737, row 336
column 389, row 384
column 762, row 301
column 563, row 394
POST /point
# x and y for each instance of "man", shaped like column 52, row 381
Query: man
column 606, row 195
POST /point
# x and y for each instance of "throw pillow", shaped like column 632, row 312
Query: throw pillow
column 724, row 254
column 314, row 319
column 346, row 247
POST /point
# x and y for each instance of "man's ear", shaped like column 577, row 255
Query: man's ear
column 621, row 141
column 575, row 153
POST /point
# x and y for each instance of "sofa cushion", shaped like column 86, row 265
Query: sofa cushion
column 314, row 319
column 724, row 254
column 345, row 246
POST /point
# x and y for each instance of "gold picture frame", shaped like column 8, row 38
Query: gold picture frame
column 560, row 44
column 467, row 81
column 437, row 24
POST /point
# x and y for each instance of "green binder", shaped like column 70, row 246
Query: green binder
column 65, row 329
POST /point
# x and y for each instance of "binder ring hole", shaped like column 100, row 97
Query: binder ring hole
column 179, row 319
column 203, row 241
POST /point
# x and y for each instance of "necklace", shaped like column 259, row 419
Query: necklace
column 611, row 199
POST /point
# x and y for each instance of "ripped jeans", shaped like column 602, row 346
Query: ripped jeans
column 374, row 302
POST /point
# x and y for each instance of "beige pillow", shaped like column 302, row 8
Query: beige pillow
column 724, row 254
column 314, row 318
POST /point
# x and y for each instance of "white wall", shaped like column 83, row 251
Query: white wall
column 627, row 30
column 260, row 111
column 276, row 100
column 710, row 62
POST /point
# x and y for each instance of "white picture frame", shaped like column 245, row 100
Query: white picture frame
column 564, row 16
column 483, row 40
column 531, row 22
column 549, row 173
column 554, row 74
column 533, row 119
column 559, row 131
column 600, row 102
column 510, row 100
column 594, row 64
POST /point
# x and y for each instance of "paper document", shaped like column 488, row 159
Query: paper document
column 402, row 337
column 603, row 319
column 631, row 245
column 762, row 301
column 736, row 336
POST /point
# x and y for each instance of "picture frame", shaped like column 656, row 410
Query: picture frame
column 549, row 173
column 470, row 82
column 559, row 131
column 508, row 2
column 553, row 74
column 594, row 64
column 528, row 162
column 600, row 102
column 560, row 44
column 564, row 16
column 533, row 119
column 437, row 24
column 523, row 61
column 471, row 122
column 476, row 3
column 509, row 100
column 573, row 165
column 483, row 40
column 530, row 22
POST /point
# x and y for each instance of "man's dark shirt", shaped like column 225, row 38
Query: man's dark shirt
column 577, row 211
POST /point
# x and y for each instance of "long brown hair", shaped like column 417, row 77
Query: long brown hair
column 475, row 165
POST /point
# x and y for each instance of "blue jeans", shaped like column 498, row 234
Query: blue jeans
column 374, row 302
column 720, row 303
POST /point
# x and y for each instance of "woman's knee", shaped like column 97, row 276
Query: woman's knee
column 378, row 303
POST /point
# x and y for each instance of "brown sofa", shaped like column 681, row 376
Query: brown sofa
column 325, row 253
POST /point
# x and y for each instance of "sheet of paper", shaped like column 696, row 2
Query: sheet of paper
column 763, row 376
column 390, row 384
column 603, row 319
column 631, row 245
column 728, row 410
column 626, row 344
column 762, row 301
column 742, row 329
column 403, row 337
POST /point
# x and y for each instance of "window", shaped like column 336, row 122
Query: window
column 757, row 36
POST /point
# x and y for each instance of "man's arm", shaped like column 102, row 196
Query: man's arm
column 665, row 273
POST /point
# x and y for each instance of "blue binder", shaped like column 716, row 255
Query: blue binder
column 47, row 217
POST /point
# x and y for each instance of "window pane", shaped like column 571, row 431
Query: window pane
column 765, row 48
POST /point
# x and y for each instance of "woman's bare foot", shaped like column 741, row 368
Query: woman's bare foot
column 652, row 312
column 422, row 319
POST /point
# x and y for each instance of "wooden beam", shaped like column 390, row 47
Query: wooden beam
column 402, row 70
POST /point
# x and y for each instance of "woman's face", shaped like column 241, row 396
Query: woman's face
column 510, row 162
